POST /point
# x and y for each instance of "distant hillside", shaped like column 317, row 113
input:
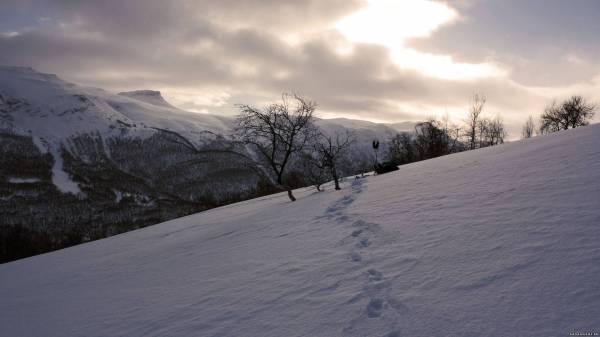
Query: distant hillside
column 80, row 163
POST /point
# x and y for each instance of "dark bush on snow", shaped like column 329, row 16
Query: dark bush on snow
column 385, row 167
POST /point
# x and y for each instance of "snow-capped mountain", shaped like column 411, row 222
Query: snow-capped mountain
column 501, row 241
column 149, row 96
column 47, row 107
column 54, row 112
column 81, row 163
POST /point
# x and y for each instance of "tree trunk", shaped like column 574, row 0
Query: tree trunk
column 335, row 179
column 289, row 190
column 292, row 198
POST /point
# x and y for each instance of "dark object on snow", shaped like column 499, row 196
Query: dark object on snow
column 376, row 145
column 376, row 149
column 385, row 167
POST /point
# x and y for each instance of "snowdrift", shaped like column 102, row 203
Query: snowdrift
column 503, row 241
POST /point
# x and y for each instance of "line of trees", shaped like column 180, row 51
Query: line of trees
column 430, row 139
column 438, row 137
column 293, row 152
column 528, row 130
column 573, row 112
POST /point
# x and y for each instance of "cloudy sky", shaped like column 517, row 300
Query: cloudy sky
column 381, row 60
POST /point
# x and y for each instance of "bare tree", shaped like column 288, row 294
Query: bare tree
column 528, row 128
column 492, row 132
column 572, row 113
column 473, row 119
column 498, row 131
column 453, row 132
column 277, row 132
column 430, row 140
column 314, row 169
column 550, row 119
column 401, row 149
column 331, row 150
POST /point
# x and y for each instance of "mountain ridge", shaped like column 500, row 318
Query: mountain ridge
column 110, row 163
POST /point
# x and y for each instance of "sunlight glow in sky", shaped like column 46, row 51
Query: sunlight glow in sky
column 378, row 60
column 390, row 23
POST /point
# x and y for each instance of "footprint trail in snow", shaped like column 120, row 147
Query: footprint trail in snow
column 381, row 312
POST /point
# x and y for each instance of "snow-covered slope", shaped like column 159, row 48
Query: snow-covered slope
column 149, row 96
column 357, row 124
column 53, row 112
column 54, row 109
column 51, row 109
column 403, row 126
column 502, row 241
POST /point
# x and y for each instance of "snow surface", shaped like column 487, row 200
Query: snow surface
column 57, row 110
column 376, row 127
column 60, row 178
column 149, row 96
column 502, row 241
column 14, row 180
